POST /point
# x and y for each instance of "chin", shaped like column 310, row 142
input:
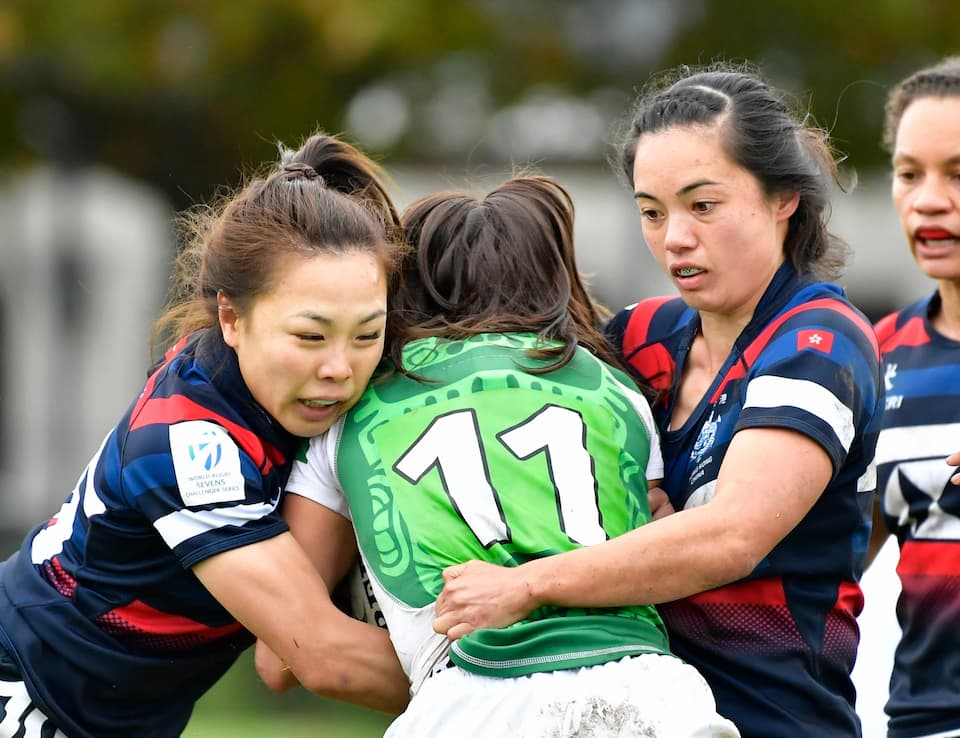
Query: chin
column 305, row 428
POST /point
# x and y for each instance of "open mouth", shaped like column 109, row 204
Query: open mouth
column 319, row 403
column 936, row 237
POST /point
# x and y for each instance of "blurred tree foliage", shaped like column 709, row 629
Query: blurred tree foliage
column 188, row 95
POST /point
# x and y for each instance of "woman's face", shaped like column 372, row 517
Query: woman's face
column 926, row 184
column 308, row 346
column 707, row 221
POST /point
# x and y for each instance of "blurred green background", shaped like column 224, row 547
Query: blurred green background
column 184, row 94
column 181, row 99
column 240, row 706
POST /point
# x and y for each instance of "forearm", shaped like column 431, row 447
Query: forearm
column 757, row 502
column 274, row 590
column 684, row 553
column 359, row 666
column 878, row 535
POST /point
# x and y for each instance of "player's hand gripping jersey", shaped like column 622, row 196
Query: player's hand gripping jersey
column 921, row 507
column 483, row 460
column 778, row 646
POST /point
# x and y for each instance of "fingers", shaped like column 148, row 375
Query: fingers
column 452, row 572
column 954, row 460
column 458, row 631
column 662, row 511
column 659, row 503
column 450, row 626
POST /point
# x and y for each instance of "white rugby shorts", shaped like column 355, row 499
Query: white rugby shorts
column 643, row 696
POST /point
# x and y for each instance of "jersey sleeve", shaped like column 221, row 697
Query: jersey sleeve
column 818, row 375
column 314, row 477
column 200, row 490
column 655, row 458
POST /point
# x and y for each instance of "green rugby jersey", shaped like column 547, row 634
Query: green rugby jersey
column 482, row 460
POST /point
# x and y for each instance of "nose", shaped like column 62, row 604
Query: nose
column 335, row 364
column 679, row 233
column 932, row 195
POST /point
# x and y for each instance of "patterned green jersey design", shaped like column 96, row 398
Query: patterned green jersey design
column 483, row 460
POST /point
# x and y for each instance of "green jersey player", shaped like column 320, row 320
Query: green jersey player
column 501, row 431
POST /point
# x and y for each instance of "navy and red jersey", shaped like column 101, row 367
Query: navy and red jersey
column 777, row 647
column 113, row 633
column 921, row 426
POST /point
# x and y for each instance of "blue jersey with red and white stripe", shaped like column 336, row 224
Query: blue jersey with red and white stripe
column 112, row 631
column 777, row 647
column 921, row 507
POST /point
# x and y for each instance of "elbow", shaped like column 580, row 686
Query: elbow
column 276, row 680
column 274, row 684
column 739, row 561
column 330, row 677
column 336, row 678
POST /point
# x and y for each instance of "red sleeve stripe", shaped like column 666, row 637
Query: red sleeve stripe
column 639, row 324
column 911, row 333
column 169, row 410
column 760, row 342
column 829, row 303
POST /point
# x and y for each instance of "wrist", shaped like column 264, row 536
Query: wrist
column 533, row 580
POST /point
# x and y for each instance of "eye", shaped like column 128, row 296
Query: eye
column 905, row 175
column 650, row 214
column 311, row 337
column 703, row 206
column 367, row 337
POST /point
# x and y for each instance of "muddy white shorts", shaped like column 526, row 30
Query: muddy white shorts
column 649, row 696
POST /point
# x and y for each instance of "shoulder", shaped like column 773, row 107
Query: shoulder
column 314, row 471
column 820, row 317
column 179, row 394
column 907, row 326
column 647, row 321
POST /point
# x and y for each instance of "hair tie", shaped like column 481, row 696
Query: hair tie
column 299, row 170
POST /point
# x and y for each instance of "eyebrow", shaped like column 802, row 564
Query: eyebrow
column 900, row 158
column 682, row 191
column 329, row 321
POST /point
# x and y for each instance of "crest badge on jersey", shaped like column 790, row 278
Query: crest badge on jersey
column 815, row 339
column 207, row 463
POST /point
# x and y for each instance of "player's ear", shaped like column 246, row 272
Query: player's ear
column 228, row 318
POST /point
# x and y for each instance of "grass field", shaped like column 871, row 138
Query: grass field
column 242, row 724
column 241, row 707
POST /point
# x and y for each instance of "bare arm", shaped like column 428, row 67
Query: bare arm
column 879, row 534
column 276, row 592
column 327, row 539
column 759, row 499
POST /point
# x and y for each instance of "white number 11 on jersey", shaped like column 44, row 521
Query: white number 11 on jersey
column 452, row 443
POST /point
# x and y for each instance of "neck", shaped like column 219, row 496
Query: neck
column 947, row 320
column 719, row 333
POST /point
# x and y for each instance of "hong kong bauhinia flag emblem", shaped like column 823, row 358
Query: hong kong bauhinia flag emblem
column 815, row 339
